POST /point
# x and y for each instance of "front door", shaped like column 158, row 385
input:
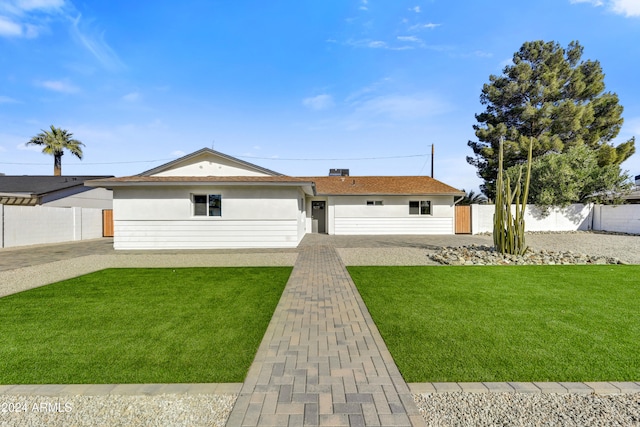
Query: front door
column 318, row 217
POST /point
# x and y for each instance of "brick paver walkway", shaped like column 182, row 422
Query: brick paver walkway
column 322, row 360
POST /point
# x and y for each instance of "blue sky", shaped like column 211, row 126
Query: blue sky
column 295, row 86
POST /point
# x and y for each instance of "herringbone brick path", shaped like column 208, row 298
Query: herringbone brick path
column 322, row 361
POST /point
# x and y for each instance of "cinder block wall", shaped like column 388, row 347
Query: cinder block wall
column 31, row 225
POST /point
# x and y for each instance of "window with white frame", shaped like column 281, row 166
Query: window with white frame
column 419, row 207
column 374, row 202
column 207, row 205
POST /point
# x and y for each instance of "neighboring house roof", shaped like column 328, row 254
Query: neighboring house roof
column 30, row 189
column 210, row 152
column 633, row 197
column 382, row 185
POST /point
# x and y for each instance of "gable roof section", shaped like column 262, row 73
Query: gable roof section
column 204, row 152
column 382, row 185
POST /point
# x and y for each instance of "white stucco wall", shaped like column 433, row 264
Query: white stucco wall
column 350, row 215
column 162, row 218
column 572, row 218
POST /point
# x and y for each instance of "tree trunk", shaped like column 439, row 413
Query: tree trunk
column 57, row 164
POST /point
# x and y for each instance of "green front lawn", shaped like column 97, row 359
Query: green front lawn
column 520, row 323
column 183, row 325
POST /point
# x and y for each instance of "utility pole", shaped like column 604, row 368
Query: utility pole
column 432, row 152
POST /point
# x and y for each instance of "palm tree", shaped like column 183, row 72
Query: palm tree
column 471, row 198
column 55, row 142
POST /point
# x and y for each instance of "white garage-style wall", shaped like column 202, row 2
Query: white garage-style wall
column 162, row 217
column 350, row 215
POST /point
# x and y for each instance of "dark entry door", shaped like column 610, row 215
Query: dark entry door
column 318, row 216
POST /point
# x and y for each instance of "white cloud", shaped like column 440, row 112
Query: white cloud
column 402, row 107
column 131, row 97
column 7, row 100
column 95, row 44
column 505, row 63
column 40, row 4
column 9, row 28
column 367, row 90
column 59, row 86
column 627, row 8
column 24, row 18
column 28, row 18
column 483, row 54
column 413, row 39
column 377, row 44
column 178, row 153
column 415, row 9
column 427, row 26
column 23, row 146
column 593, row 2
column 320, row 102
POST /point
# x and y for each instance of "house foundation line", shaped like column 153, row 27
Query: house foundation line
column 322, row 360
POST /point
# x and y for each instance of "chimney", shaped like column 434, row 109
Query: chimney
column 338, row 172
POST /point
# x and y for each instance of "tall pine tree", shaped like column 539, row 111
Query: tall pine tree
column 550, row 95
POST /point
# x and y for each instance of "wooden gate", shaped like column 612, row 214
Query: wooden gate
column 107, row 223
column 463, row 219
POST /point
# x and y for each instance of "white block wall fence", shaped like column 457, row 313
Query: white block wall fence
column 31, row 225
column 621, row 218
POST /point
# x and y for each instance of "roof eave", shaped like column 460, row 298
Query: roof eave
column 308, row 187
column 394, row 194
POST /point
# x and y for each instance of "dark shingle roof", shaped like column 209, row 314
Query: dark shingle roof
column 42, row 184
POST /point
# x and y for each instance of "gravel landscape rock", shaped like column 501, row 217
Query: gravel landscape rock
column 487, row 255
column 116, row 410
column 528, row 409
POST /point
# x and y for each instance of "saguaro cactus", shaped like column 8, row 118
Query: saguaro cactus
column 508, row 231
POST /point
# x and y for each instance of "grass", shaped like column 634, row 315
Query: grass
column 183, row 325
column 521, row 323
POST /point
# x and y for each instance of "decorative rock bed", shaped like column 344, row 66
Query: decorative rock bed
column 486, row 255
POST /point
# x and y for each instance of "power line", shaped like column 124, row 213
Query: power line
column 242, row 157
column 336, row 159
column 89, row 163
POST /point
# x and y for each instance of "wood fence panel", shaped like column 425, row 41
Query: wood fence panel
column 463, row 219
column 107, row 223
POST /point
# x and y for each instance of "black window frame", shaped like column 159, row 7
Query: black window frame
column 207, row 205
